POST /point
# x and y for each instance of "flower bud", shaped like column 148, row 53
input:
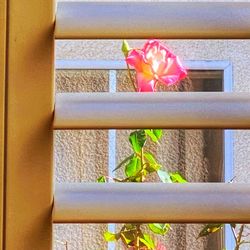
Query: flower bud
column 125, row 48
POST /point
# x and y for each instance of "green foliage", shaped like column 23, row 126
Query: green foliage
column 133, row 167
column 152, row 165
column 136, row 167
column 128, row 237
column 158, row 228
column 170, row 177
column 177, row 178
column 108, row 236
column 129, row 234
column 124, row 162
column 147, row 241
column 137, row 140
column 209, row 229
column 102, row 179
column 154, row 134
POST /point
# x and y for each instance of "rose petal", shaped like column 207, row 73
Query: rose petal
column 155, row 62
column 169, row 79
column 145, row 83
column 157, row 55
column 173, row 72
column 154, row 45
column 136, row 59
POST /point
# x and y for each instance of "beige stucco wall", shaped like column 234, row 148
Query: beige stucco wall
column 79, row 161
column 80, row 156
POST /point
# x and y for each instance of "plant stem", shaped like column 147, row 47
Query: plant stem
column 137, row 246
column 131, row 78
column 142, row 158
column 138, row 230
column 238, row 242
column 142, row 163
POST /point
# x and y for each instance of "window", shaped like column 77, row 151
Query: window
column 81, row 156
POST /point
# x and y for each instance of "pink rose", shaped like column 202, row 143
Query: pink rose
column 155, row 63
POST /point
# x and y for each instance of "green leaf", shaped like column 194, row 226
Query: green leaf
column 125, row 48
column 158, row 133
column 158, row 228
column 123, row 162
column 147, row 241
column 108, row 236
column 128, row 236
column 209, row 229
column 164, row 176
column 152, row 168
column 133, row 167
column 102, row 179
column 176, row 177
column 154, row 134
column 150, row 158
column 153, row 165
column 137, row 140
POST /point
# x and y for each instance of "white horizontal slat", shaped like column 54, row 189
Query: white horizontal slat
column 73, row 64
column 152, row 110
column 176, row 20
column 151, row 202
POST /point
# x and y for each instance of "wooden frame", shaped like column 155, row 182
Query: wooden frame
column 3, row 23
column 27, row 101
column 29, row 135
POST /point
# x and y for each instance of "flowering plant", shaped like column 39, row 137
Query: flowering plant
column 154, row 65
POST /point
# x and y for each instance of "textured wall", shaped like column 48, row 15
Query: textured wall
column 80, row 156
